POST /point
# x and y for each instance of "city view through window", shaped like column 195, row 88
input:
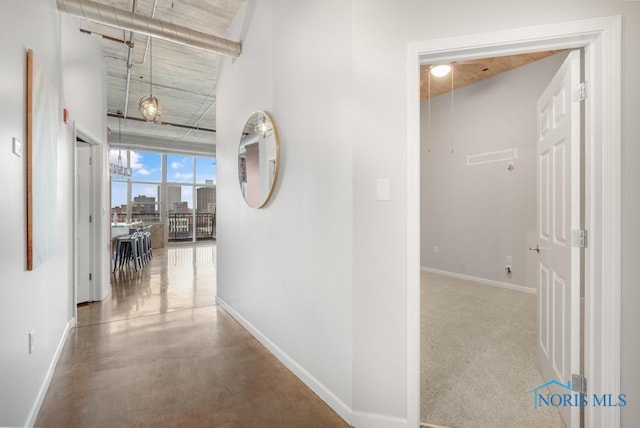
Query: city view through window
column 176, row 193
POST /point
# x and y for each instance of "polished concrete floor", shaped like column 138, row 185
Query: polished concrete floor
column 158, row 352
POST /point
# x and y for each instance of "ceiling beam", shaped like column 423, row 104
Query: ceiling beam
column 130, row 141
column 141, row 24
column 177, row 125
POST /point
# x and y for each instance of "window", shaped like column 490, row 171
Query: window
column 136, row 198
column 179, row 169
column 206, row 171
column 146, row 166
column 189, row 192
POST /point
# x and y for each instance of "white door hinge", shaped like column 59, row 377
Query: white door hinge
column 579, row 238
column 579, row 92
column 579, row 383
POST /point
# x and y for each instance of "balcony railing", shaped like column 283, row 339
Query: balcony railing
column 180, row 225
column 146, row 218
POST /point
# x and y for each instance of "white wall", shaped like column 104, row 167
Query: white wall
column 287, row 268
column 321, row 271
column 39, row 300
column 82, row 57
column 309, row 60
column 477, row 215
column 382, row 29
column 82, row 80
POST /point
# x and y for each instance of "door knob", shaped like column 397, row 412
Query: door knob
column 536, row 249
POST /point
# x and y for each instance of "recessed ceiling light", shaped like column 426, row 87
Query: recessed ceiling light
column 440, row 70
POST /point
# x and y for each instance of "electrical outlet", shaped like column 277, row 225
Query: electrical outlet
column 436, row 249
column 31, row 341
column 508, row 261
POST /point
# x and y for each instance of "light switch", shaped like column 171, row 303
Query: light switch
column 383, row 189
column 17, row 147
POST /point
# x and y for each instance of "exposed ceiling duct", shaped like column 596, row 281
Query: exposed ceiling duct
column 126, row 20
column 129, row 65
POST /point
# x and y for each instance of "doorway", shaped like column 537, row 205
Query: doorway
column 478, row 220
column 85, row 235
column 601, row 39
column 90, row 255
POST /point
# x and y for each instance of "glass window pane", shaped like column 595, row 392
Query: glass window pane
column 118, row 202
column 206, row 199
column 144, row 203
column 180, row 217
column 179, row 169
column 179, row 199
column 146, row 166
column 206, row 171
column 205, row 212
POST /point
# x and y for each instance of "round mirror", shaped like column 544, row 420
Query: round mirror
column 258, row 159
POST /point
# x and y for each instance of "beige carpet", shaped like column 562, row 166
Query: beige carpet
column 478, row 356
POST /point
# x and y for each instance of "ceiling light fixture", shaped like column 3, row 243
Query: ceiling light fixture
column 118, row 168
column 263, row 128
column 440, row 70
column 149, row 107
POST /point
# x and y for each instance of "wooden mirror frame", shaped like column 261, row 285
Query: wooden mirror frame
column 249, row 129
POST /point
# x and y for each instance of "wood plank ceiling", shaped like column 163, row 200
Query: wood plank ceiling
column 467, row 72
column 184, row 78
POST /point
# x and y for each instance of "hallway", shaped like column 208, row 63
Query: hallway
column 159, row 352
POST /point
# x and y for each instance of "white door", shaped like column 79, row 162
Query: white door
column 84, row 218
column 558, row 350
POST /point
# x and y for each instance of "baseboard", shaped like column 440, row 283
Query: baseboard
column 316, row 386
column 426, row 425
column 480, row 280
column 35, row 409
column 372, row 420
column 105, row 291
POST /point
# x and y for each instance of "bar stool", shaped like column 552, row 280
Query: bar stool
column 127, row 250
column 142, row 252
column 137, row 254
column 122, row 249
column 147, row 238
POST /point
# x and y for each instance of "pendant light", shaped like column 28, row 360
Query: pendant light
column 149, row 107
column 264, row 127
column 117, row 168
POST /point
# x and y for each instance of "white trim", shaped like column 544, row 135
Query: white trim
column 426, row 425
column 413, row 236
column 482, row 281
column 99, row 288
column 314, row 384
column 74, row 219
column 601, row 38
column 35, row 409
column 603, row 257
column 105, row 292
column 372, row 420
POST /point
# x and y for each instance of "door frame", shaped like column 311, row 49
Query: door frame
column 79, row 142
column 95, row 293
column 601, row 40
